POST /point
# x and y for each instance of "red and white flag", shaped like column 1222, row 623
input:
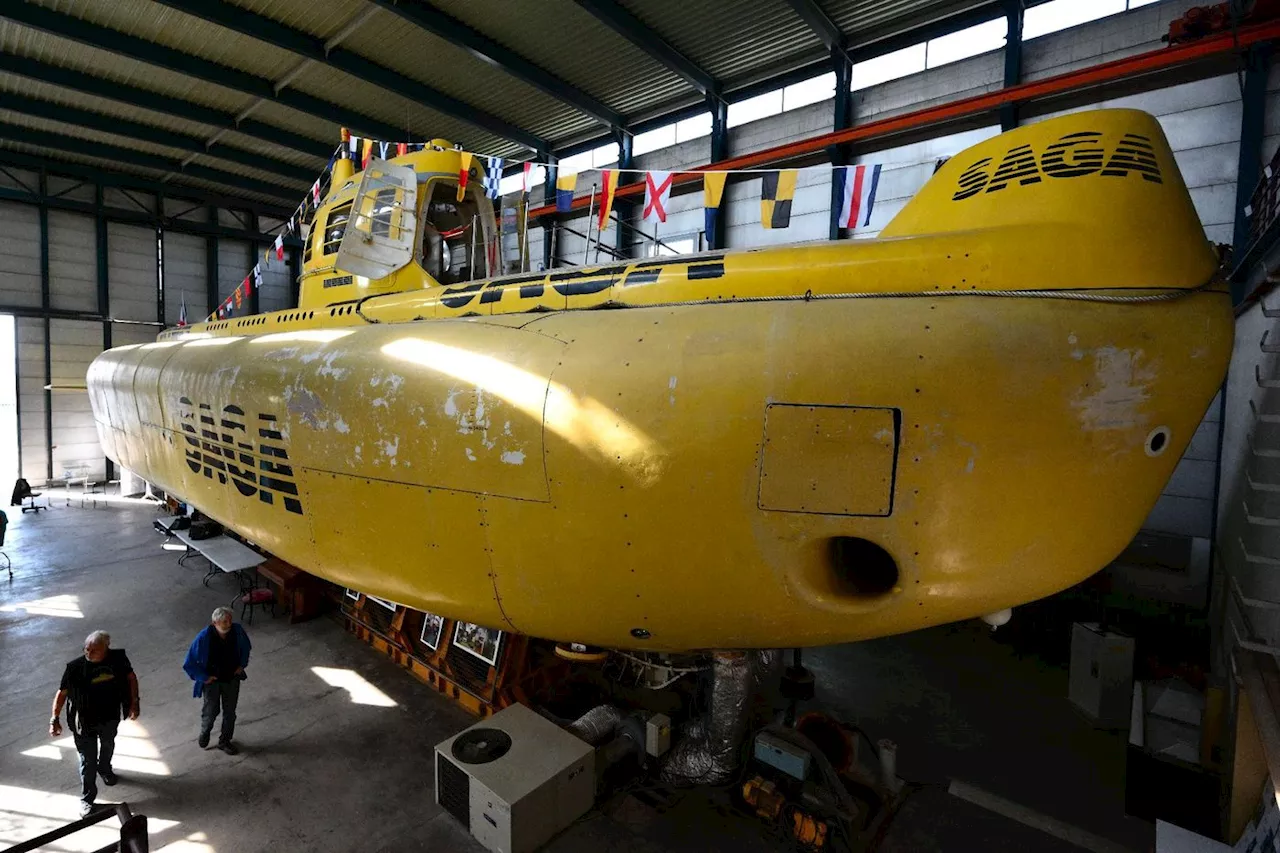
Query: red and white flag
column 524, row 180
column 315, row 192
column 657, row 192
column 860, row 183
column 279, row 247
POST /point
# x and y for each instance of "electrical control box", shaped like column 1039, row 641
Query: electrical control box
column 657, row 735
column 782, row 756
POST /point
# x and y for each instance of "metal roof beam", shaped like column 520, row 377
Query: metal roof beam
column 145, row 99
column 877, row 43
column 622, row 22
column 945, row 26
column 818, row 21
column 491, row 53
column 133, row 47
column 121, row 180
column 147, row 133
column 76, row 145
column 311, row 47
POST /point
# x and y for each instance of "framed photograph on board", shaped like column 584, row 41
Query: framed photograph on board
column 390, row 605
column 432, row 625
column 478, row 640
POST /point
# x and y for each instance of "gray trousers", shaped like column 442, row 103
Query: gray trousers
column 224, row 695
column 96, row 745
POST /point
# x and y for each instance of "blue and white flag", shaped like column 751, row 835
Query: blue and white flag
column 858, row 194
column 493, row 178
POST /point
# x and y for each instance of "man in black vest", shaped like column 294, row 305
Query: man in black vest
column 101, row 688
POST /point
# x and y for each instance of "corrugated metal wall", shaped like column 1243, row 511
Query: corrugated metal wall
column 185, row 277
column 72, row 345
column 19, row 254
column 235, row 260
column 62, row 419
column 32, row 436
column 276, row 293
column 73, row 269
column 131, row 271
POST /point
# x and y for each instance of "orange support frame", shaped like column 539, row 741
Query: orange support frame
column 513, row 680
column 1127, row 67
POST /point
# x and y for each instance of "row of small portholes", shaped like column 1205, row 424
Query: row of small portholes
column 283, row 318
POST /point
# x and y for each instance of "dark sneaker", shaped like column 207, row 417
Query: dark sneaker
column 228, row 747
column 85, row 808
column 108, row 776
column 203, row 740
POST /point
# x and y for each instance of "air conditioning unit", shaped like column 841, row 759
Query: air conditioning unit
column 515, row 779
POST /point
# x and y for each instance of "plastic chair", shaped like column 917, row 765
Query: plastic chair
column 257, row 597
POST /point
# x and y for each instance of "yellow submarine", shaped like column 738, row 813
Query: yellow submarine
column 759, row 448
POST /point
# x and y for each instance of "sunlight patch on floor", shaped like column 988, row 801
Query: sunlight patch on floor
column 29, row 812
column 66, row 606
column 135, row 753
column 360, row 690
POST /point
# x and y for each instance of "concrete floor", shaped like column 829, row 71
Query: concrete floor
column 348, row 767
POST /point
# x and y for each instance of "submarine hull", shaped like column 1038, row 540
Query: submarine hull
column 692, row 473
column 766, row 448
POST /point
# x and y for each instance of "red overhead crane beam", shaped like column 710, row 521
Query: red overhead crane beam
column 1060, row 84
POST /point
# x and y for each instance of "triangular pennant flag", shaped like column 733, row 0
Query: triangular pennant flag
column 182, row 312
column 464, row 172
column 353, row 148
column 858, row 195
column 239, row 295
column 493, row 178
column 565, row 187
column 712, row 193
column 777, row 191
column 608, row 186
column 657, row 192
column 368, row 150
column 383, row 148
column 524, row 186
column 279, row 247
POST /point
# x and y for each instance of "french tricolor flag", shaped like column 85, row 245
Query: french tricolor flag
column 859, row 195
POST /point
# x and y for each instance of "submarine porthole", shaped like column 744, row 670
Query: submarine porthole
column 861, row 568
column 1157, row 441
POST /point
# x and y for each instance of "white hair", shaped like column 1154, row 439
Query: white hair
column 97, row 637
column 220, row 612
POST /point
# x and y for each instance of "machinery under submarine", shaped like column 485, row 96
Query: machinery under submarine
column 759, row 448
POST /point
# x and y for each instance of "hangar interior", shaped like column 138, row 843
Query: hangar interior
column 161, row 163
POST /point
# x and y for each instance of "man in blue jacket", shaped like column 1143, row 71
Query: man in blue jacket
column 216, row 662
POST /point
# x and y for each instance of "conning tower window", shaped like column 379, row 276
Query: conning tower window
column 457, row 238
column 335, row 228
